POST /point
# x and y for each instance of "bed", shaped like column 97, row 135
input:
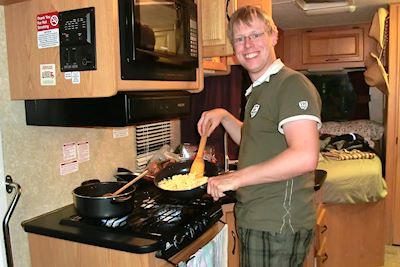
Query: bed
column 350, row 224
column 358, row 179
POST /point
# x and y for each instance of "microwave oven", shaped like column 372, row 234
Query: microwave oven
column 158, row 39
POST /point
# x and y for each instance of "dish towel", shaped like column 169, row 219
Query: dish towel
column 213, row 254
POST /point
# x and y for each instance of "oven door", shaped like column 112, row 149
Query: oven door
column 195, row 252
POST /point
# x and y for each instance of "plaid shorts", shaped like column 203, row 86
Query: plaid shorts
column 266, row 249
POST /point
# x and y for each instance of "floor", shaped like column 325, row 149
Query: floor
column 392, row 256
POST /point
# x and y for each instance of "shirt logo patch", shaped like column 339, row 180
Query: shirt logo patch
column 254, row 110
column 303, row 105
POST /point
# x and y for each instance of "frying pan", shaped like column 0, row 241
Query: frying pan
column 183, row 167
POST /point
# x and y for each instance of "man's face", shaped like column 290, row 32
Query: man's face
column 254, row 47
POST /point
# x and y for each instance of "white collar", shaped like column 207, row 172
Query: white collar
column 275, row 67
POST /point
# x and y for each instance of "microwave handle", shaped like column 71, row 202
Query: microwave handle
column 127, row 18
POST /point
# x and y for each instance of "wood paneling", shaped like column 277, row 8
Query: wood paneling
column 8, row 2
column 392, row 131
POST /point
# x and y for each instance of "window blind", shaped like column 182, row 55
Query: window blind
column 150, row 138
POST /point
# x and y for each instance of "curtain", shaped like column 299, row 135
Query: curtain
column 219, row 91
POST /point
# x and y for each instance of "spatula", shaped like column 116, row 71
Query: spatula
column 197, row 167
column 140, row 176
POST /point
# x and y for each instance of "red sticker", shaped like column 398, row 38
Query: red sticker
column 47, row 21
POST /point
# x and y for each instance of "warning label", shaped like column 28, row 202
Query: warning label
column 47, row 21
column 47, row 30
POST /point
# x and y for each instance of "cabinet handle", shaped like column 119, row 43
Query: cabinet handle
column 324, row 229
column 234, row 242
column 226, row 10
column 324, row 258
column 332, row 59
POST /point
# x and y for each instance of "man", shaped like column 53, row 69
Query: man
column 279, row 147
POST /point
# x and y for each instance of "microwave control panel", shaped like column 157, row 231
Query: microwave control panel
column 77, row 40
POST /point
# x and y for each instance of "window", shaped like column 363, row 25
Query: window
column 150, row 138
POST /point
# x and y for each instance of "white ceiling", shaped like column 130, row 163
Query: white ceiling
column 288, row 15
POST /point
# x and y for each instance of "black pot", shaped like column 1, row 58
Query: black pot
column 210, row 169
column 90, row 202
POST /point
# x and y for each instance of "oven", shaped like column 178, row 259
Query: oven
column 175, row 229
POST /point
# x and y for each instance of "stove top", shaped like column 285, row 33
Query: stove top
column 173, row 223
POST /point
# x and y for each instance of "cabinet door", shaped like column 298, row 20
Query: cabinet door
column 333, row 46
column 214, row 28
column 263, row 4
column 233, row 243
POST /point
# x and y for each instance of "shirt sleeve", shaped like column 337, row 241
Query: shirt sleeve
column 298, row 100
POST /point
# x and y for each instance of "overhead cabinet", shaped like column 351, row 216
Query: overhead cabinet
column 35, row 72
column 333, row 46
column 215, row 24
column 217, row 50
column 337, row 47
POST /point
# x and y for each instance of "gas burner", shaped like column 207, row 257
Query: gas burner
column 115, row 222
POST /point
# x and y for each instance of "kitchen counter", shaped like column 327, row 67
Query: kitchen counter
column 49, row 225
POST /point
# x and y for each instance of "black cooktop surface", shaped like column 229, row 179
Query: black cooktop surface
column 157, row 223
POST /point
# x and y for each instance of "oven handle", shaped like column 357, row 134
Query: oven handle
column 183, row 263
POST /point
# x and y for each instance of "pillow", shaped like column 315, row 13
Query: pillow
column 368, row 129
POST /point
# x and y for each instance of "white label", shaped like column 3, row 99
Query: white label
column 69, row 167
column 76, row 77
column 119, row 133
column 83, row 151
column 47, row 74
column 68, row 75
column 69, row 151
column 48, row 38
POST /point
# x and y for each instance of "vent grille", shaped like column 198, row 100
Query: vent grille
column 150, row 138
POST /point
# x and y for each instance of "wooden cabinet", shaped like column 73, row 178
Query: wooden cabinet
column 215, row 24
column 9, row 2
column 216, row 45
column 49, row 252
column 217, row 50
column 333, row 46
column 354, row 235
column 327, row 48
column 263, row 4
column 392, row 131
column 25, row 58
column 233, row 242
column 348, row 235
column 321, row 230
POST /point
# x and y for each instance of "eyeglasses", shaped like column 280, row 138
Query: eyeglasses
column 252, row 37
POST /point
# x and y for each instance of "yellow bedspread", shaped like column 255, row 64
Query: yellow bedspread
column 353, row 181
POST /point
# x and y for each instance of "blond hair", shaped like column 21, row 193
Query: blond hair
column 246, row 15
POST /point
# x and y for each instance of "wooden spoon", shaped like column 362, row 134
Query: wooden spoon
column 128, row 184
column 197, row 167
